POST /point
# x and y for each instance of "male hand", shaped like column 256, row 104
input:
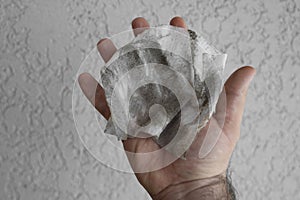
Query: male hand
column 182, row 177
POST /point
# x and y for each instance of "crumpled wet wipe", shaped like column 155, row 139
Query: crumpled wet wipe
column 164, row 84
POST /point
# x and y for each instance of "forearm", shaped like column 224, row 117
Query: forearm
column 215, row 188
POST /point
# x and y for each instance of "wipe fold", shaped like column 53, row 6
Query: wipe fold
column 164, row 84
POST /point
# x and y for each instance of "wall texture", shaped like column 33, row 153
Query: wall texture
column 42, row 44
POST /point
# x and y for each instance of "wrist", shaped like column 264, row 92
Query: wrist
column 213, row 188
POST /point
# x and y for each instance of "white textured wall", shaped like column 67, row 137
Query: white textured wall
column 42, row 44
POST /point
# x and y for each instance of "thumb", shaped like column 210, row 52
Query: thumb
column 236, row 91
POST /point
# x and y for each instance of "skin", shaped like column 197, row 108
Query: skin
column 193, row 168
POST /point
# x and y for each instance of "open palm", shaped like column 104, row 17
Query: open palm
column 192, row 168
